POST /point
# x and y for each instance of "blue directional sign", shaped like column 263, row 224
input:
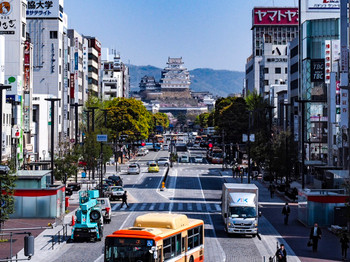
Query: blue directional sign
column 101, row 138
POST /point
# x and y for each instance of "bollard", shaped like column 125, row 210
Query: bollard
column 163, row 186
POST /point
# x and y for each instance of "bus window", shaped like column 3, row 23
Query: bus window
column 195, row 237
column 172, row 246
column 178, row 245
column 167, row 248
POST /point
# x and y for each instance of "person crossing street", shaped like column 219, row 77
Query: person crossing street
column 124, row 200
column 286, row 212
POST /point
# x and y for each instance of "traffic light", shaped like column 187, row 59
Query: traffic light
column 210, row 145
column 143, row 144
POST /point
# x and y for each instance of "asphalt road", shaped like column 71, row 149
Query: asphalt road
column 193, row 189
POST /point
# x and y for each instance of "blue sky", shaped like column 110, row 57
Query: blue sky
column 206, row 33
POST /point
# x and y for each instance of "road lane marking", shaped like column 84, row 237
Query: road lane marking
column 220, row 251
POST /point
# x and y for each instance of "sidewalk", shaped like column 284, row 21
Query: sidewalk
column 294, row 235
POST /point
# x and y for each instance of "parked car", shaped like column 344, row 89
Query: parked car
column 153, row 167
column 115, row 192
column 198, row 159
column 165, row 147
column 134, row 169
column 74, row 186
column 117, row 180
column 163, row 161
column 104, row 188
column 184, row 159
column 105, row 205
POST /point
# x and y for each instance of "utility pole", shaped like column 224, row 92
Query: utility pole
column 249, row 171
column 92, row 108
column 76, row 105
column 52, row 100
column 287, row 140
column 223, row 149
column 88, row 119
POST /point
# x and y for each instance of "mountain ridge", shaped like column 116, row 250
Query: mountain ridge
column 219, row 82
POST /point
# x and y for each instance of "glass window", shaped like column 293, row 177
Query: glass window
column 53, row 34
column 266, row 70
column 277, row 70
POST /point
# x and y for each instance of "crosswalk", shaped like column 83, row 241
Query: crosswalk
column 173, row 206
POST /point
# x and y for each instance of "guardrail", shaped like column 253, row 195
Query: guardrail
column 60, row 236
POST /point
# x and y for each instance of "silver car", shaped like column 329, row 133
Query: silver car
column 115, row 192
column 134, row 169
column 163, row 161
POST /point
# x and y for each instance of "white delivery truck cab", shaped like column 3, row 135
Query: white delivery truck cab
column 240, row 208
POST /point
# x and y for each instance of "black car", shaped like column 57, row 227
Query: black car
column 117, row 180
column 74, row 186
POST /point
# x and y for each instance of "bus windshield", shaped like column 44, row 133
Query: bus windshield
column 128, row 249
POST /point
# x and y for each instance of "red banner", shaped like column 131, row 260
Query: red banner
column 71, row 85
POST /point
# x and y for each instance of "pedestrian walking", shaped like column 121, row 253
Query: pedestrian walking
column 286, row 212
column 124, row 199
column 315, row 235
column 272, row 190
column 344, row 241
column 281, row 254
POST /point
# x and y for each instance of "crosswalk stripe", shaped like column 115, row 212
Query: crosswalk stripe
column 114, row 208
column 199, row 206
column 143, row 206
column 217, row 206
column 161, row 206
column 133, row 206
column 180, row 206
column 152, row 206
column 189, row 206
column 208, row 207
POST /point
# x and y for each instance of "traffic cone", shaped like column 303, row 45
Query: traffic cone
column 73, row 221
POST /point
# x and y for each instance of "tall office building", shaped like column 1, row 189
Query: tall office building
column 47, row 28
column 272, row 29
column 94, row 65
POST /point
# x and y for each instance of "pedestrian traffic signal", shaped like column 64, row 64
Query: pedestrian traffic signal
column 143, row 144
column 210, row 145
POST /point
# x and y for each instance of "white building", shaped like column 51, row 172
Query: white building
column 13, row 30
column 46, row 25
column 175, row 77
column 114, row 76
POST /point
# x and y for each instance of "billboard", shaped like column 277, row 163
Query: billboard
column 8, row 15
column 315, row 5
column 317, row 70
column 275, row 16
column 45, row 9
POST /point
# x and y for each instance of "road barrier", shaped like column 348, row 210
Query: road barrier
column 164, row 178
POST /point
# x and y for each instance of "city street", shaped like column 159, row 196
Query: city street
column 193, row 189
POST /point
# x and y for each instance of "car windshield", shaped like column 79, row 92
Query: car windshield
column 153, row 165
column 162, row 159
column 133, row 166
column 242, row 212
column 117, row 189
column 185, row 157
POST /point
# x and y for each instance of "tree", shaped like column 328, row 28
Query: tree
column 66, row 166
column 233, row 120
column 128, row 116
column 202, row 120
column 7, row 185
column 160, row 119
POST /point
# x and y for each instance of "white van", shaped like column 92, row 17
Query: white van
column 184, row 159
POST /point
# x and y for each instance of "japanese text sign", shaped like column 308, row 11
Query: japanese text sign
column 7, row 18
column 44, row 9
column 317, row 70
column 275, row 16
column 323, row 4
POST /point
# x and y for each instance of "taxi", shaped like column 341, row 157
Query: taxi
column 153, row 167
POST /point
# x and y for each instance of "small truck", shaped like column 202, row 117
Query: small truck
column 240, row 208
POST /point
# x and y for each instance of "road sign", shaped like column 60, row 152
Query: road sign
column 101, row 138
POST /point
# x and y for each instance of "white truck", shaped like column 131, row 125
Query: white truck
column 240, row 208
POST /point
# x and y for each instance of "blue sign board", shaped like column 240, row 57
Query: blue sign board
column 83, row 174
column 76, row 61
column 101, row 138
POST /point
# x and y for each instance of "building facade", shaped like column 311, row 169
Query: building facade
column 94, row 65
column 272, row 29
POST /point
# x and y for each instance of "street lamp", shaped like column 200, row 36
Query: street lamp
column 52, row 100
column 2, row 87
column 76, row 105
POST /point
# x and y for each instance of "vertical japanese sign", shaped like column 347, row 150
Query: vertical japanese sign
column 344, row 114
column 328, row 61
column 26, row 88
column 71, row 83
column 8, row 24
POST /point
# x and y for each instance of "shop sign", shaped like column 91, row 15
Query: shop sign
column 7, row 23
column 317, row 70
column 275, row 16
